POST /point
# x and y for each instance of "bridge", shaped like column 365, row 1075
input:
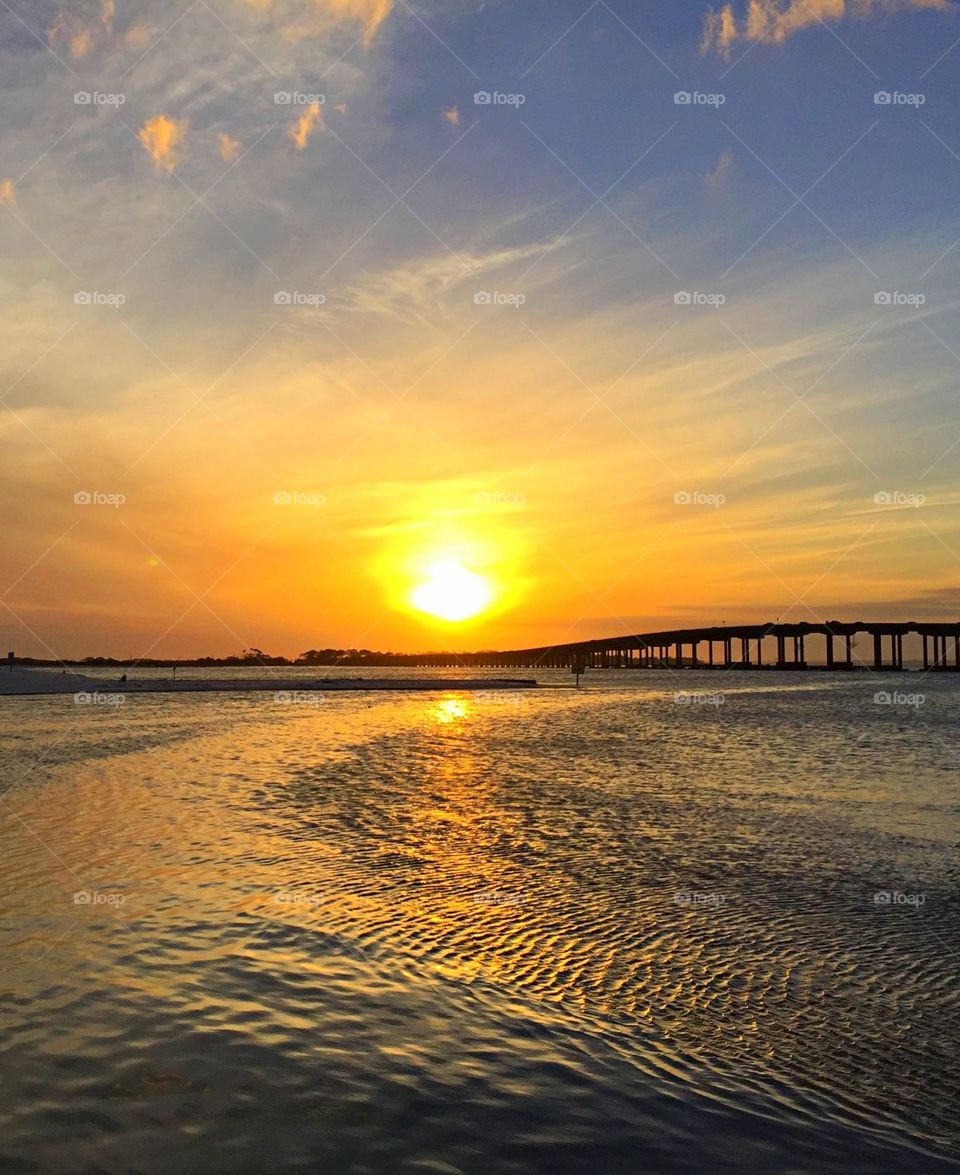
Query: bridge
column 733, row 647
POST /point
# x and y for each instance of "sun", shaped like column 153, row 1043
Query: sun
column 452, row 593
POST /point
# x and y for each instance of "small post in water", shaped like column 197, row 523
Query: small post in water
column 579, row 666
column 10, row 660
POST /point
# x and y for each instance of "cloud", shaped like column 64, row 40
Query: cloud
column 8, row 193
column 302, row 128
column 773, row 21
column 452, row 116
column 229, row 147
column 81, row 35
column 162, row 139
column 316, row 18
column 723, row 164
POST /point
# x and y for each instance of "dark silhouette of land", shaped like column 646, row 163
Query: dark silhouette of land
column 727, row 647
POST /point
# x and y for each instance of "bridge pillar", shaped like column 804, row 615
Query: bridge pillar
column 829, row 650
column 744, row 651
column 877, row 651
column 849, row 651
column 926, row 656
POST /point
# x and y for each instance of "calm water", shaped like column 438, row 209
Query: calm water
column 600, row 932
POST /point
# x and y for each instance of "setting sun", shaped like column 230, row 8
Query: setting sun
column 451, row 592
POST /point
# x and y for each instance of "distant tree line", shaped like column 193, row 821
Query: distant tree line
column 249, row 657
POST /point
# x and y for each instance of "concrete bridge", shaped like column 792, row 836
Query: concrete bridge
column 734, row 647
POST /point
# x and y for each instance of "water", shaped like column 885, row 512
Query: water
column 598, row 932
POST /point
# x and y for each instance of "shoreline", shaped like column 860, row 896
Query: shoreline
column 43, row 682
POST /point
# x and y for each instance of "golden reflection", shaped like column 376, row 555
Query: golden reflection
column 450, row 711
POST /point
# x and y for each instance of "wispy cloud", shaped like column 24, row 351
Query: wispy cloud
column 163, row 139
column 314, row 18
column 229, row 147
column 81, row 33
column 720, row 168
column 773, row 21
column 8, row 194
column 303, row 127
column 452, row 116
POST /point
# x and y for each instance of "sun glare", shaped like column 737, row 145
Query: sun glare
column 452, row 593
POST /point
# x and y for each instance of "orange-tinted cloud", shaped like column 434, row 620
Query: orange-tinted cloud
column 452, row 116
column 229, row 148
column 163, row 139
column 8, row 193
column 314, row 18
column 303, row 127
column 773, row 21
column 80, row 35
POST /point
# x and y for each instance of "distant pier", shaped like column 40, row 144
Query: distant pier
column 734, row 647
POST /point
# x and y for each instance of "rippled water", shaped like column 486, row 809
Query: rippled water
column 603, row 931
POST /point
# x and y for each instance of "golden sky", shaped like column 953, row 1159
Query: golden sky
column 304, row 299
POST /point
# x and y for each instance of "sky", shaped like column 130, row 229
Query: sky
column 642, row 314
